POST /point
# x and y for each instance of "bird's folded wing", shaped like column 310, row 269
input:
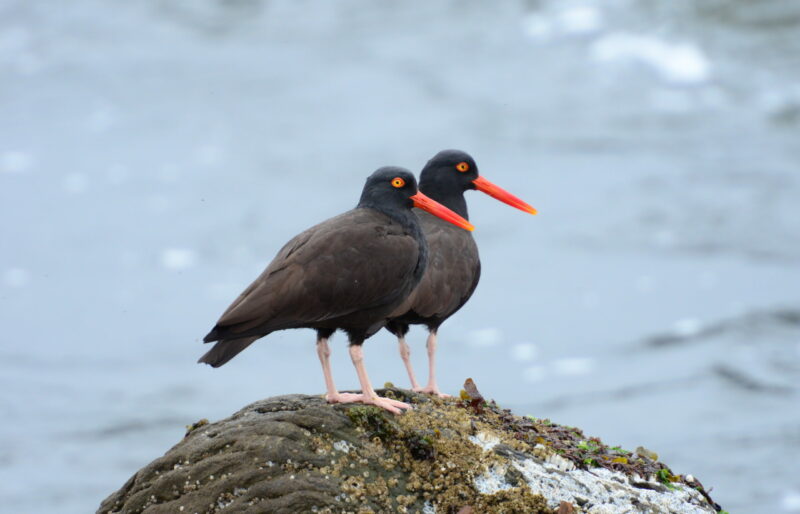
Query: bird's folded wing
column 353, row 261
column 452, row 273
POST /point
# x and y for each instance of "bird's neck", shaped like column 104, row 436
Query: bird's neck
column 450, row 197
column 409, row 221
column 402, row 216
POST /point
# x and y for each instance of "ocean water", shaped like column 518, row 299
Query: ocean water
column 154, row 155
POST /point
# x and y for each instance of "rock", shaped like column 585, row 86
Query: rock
column 296, row 453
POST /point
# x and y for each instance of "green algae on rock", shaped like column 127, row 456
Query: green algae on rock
column 296, row 453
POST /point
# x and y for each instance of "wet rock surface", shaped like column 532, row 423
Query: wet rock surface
column 296, row 453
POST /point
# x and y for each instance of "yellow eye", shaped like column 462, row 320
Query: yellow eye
column 462, row 167
column 398, row 182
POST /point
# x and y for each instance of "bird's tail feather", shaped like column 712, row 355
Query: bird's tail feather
column 225, row 350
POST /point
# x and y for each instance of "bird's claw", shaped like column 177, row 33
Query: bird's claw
column 394, row 406
column 431, row 389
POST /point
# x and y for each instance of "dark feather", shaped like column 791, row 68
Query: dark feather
column 340, row 269
column 347, row 272
column 451, row 277
column 225, row 350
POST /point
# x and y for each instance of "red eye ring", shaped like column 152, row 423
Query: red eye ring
column 398, row 182
column 462, row 167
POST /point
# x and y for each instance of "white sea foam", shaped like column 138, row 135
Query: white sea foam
column 15, row 162
column 16, row 277
column 791, row 501
column 534, row 374
column 76, row 183
column 524, row 352
column 580, row 19
column 572, row 20
column 687, row 327
column 486, row 337
column 178, row 259
column 677, row 63
column 573, row 366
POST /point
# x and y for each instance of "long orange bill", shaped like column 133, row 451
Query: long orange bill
column 437, row 209
column 483, row 185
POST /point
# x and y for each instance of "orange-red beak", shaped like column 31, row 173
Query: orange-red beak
column 432, row 206
column 483, row 185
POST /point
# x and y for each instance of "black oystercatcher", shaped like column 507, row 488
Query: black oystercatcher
column 348, row 273
column 453, row 263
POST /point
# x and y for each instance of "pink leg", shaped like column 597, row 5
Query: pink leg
column 369, row 396
column 333, row 396
column 405, row 353
column 432, row 387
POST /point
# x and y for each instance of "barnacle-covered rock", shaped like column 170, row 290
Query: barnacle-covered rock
column 296, row 453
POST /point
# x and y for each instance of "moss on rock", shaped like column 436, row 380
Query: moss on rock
column 298, row 454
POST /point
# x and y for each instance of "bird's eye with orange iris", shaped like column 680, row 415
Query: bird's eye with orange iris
column 462, row 167
column 398, row 182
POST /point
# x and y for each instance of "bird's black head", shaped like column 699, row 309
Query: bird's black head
column 451, row 172
column 446, row 176
column 393, row 191
column 389, row 188
column 451, row 168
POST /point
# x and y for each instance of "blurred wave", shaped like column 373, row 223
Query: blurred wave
column 154, row 155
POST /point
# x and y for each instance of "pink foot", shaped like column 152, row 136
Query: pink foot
column 379, row 401
column 431, row 389
column 344, row 398
column 392, row 406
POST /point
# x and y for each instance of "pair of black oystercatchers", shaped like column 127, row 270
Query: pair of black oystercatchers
column 378, row 265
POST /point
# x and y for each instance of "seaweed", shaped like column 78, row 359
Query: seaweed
column 194, row 426
column 374, row 421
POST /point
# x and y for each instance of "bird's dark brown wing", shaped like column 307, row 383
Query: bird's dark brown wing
column 354, row 261
column 452, row 273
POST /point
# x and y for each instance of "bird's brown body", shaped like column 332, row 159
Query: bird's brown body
column 349, row 272
column 450, row 278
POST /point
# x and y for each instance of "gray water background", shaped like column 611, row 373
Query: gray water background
column 155, row 154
